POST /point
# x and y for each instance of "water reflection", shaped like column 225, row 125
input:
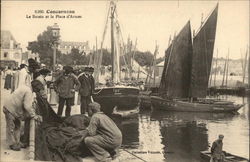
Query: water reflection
column 180, row 136
column 130, row 131
column 183, row 135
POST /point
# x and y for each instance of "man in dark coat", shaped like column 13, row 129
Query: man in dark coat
column 92, row 80
column 65, row 86
column 85, row 90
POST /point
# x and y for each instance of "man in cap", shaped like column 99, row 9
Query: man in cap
column 104, row 137
column 66, row 85
column 85, row 90
column 41, row 78
column 18, row 107
column 217, row 154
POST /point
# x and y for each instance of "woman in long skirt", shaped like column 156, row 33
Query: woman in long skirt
column 8, row 78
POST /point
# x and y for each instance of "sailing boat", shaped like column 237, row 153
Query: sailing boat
column 116, row 98
column 186, row 72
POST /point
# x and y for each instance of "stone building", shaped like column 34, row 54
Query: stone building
column 66, row 47
column 10, row 49
column 27, row 55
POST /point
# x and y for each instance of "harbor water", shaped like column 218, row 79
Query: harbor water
column 180, row 136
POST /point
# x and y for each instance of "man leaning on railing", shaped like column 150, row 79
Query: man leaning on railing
column 18, row 107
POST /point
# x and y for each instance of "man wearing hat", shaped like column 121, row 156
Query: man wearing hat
column 66, row 85
column 217, row 154
column 85, row 90
column 92, row 80
column 41, row 78
column 104, row 137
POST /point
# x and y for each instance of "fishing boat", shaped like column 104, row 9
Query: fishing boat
column 116, row 97
column 206, row 156
column 186, row 72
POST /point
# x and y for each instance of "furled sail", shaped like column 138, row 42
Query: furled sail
column 203, row 47
column 175, row 80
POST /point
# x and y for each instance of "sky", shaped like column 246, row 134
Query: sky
column 149, row 22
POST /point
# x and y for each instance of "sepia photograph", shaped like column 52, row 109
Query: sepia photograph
column 125, row 81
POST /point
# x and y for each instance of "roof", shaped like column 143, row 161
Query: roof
column 6, row 36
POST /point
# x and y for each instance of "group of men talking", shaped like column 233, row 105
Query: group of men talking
column 104, row 137
column 68, row 83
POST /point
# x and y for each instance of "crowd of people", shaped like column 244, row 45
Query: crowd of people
column 28, row 86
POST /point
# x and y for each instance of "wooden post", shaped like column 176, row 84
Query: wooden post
column 32, row 140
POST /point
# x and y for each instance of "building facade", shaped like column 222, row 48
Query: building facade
column 10, row 48
column 66, row 47
column 27, row 55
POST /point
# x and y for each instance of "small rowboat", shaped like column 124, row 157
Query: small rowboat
column 206, row 156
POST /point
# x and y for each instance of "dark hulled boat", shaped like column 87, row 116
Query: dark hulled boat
column 186, row 72
column 117, row 98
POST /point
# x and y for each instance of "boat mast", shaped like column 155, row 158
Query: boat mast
column 112, row 39
column 215, row 71
column 245, row 64
column 99, row 55
column 154, row 64
column 248, row 69
column 227, row 67
column 224, row 72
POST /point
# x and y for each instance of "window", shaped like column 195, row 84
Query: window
column 16, row 55
column 5, row 54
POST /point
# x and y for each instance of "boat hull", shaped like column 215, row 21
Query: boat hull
column 181, row 105
column 117, row 97
column 206, row 156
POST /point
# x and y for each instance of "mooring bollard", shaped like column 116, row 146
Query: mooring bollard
column 32, row 140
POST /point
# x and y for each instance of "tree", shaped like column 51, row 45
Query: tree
column 144, row 58
column 44, row 46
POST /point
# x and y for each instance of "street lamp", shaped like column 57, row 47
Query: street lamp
column 56, row 34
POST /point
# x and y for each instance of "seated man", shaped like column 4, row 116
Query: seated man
column 216, row 150
column 18, row 107
column 103, row 134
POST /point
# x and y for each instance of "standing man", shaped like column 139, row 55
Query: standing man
column 41, row 78
column 24, row 78
column 18, row 107
column 92, row 80
column 104, row 137
column 65, row 86
column 16, row 77
column 85, row 90
column 216, row 150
